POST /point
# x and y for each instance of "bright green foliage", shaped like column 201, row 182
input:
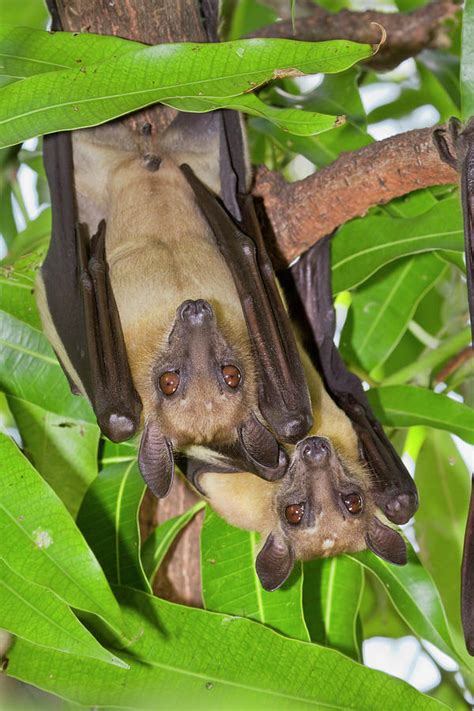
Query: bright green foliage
column 230, row 583
column 113, row 79
column 75, row 578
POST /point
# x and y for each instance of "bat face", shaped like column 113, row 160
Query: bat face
column 322, row 506
column 199, row 375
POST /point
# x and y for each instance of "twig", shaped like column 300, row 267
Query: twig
column 407, row 33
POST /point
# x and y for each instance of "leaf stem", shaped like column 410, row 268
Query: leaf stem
column 432, row 359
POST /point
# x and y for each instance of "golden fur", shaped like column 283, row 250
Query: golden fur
column 248, row 502
column 159, row 247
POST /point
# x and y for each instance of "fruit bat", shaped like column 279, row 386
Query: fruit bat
column 460, row 156
column 393, row 488
column 170, row 307
column 323, row 505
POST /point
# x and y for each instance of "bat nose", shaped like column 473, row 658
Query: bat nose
column 314, row 449
column 196, row 312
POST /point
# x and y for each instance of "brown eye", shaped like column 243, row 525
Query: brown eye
column 353, row 503
column 294, row 513
column 231, row 375
column 169, row 382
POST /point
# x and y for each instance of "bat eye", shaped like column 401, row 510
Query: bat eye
column 169, row 382
column 294, row 513
column 232, row 376
column 353, row 503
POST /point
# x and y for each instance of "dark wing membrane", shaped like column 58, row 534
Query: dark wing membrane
column 283, row 394
column 467, row 193
column 467, row 579
column 395, row 491
column 459, row 154
column 81, row 303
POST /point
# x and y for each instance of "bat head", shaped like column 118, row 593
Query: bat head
column 204, row 391
column 323, row 506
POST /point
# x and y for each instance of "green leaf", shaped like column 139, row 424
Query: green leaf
column 63, row 450
column 383, row 306
column 161, row 538
column 34, row 237
column 30, row 371
column 17, row 284
column 30, row 12
column 41, row 542
column 443, row 483
column 378, row 615
column 230, row 583
column 467, row 61
column 26, row 52
column 108, row 518
column 406, row 405
column 190, row 658
column 290, row 120
column 415, row 596
column 364, row 245
column 332, row 594
column 86, row 96
column 39, row 616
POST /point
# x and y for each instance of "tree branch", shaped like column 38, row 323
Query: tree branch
column 407, row 33
column 302, row 212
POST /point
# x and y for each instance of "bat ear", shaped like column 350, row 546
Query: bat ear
column 275, row 562
column 155, row 459
column 386, row 543
column 262, row 449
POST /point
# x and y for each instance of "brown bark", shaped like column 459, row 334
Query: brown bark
column 302, row 212
column 151, row 22
column 407, row 33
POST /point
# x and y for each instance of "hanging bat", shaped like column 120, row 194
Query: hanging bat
column 460, row 156
column 393, row 488
column 324, row 504
column 171, row 307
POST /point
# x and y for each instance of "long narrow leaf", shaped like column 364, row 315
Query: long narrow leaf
column 406, row 405
column 39, row 616
column 89, row 95
column 41, row 542
column 108, row 518
column 364, row 245
column 415, row 596
column 230, row 583
column 332, row 594
column 189, row 658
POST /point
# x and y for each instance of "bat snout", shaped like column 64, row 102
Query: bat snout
column 314, row 450
column 196, row 313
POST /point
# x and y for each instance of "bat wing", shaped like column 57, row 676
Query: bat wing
column 460, row 156
column 394, row 488
column 283, row 394
column 81, row 303
column 467, row 579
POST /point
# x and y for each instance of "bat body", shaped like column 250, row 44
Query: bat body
column 461, row 157
column 161, row 306
column 324, row 505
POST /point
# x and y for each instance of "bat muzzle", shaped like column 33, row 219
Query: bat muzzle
column 196, row 313
column 314, row 450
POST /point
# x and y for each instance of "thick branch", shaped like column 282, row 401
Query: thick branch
column 407, row 33
column 300, row 213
